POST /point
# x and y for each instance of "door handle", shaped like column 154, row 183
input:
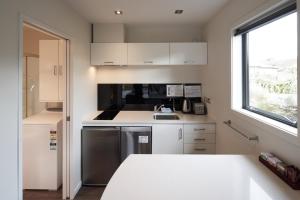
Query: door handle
column 180, row 135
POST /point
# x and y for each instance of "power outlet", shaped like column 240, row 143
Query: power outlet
column 206, row 100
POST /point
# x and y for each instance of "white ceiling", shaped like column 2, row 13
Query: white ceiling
column 148, row 11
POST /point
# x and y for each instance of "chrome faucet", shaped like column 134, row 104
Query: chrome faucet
column 173, row 102
column 156, row 109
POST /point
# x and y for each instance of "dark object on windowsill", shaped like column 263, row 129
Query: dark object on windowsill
column 293, row 174
column 289, row 174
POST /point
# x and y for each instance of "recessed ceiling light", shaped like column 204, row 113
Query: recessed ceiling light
column 178, row 12
column 118, row 12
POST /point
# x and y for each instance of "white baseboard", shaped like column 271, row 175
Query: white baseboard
column 75, row 191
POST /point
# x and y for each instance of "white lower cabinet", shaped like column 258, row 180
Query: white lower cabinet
column 167, row 139
column 183, row 138
column 199, row 139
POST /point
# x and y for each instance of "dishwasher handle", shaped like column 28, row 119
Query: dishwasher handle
column 106, row 129
column 145, row 129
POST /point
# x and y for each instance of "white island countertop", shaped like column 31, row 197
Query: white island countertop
column 196, row 177
column 143, row 118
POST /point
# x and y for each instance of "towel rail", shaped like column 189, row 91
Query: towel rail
column 250, row 138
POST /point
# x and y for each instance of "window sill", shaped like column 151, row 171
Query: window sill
column 271, row 126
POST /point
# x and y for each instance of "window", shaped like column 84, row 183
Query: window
column 269, row 65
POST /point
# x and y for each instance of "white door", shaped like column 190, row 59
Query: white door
column 24, row 87
column 48, row 70
column 193, row 53
column 148, row 54
column 109, row 54
column 167, row 139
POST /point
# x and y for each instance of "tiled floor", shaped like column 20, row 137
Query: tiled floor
column 90, row 193
column 85, row 193
column 41, row 194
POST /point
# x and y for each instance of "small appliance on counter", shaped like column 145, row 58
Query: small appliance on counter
column 186, row 106
column 199, row 108
column 192, row 94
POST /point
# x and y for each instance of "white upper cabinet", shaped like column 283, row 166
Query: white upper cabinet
column 148, row 54
column 109, row 53
column 188, row 53
column 192, row 53
column 52, row 66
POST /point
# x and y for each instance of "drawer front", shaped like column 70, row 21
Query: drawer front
column 199, row 149
column 200, row 128
column 205, row 138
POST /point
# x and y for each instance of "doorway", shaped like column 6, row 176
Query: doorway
column 44, row 143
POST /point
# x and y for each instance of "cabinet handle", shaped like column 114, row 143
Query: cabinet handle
column 60, row 73
column 188, row 62
column 148, row 62
column 199, row 129
column 180, row 134
column 109, row 62
column 200, row 149
column 55, row 70
column 199, row 139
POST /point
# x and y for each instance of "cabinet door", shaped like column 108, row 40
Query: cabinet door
column 109, row 54
column 167, row 139
column 194, row 53
column 148, row 54
column 48, row 70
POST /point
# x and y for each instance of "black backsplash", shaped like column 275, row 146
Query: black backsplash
column 135, row 97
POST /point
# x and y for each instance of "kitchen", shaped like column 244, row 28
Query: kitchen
column 212, row 24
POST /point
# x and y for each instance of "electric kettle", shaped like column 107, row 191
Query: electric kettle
column 186, row 106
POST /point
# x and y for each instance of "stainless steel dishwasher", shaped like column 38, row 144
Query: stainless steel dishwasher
column 135, row 140
column 100, row 154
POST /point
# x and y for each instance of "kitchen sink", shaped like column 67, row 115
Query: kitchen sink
column 165, row 116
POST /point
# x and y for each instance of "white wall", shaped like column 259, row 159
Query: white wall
column 61, row 17
column 149, row 74
column 163, row 33
column 108, row 32
column 31, row 40
column 155, row 74
column 216, row 85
